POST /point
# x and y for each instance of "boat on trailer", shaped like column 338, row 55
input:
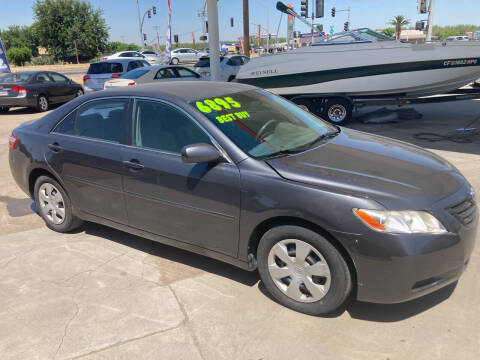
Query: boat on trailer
column 363, row 63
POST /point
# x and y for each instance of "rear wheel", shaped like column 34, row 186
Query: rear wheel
column 54, row 205
column 42, row 103
column 79, row 92
column 302, row 270
column 174, row 61
column 4, row 109
column 231, row 78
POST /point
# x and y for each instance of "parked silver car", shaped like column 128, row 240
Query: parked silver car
column 101, row 71
column 183, row 55
column 229, row 66
column 152, row 74
column 152, row 57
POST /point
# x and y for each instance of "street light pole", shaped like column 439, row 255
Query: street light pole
column 430, row 20
column 213, row 39
column 139, row 25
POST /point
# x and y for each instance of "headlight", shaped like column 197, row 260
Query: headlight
column 401, row 222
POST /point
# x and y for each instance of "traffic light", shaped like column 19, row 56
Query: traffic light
column 154, row 9
column 346, row 26
column 231, row 22
column 419, row 25
column 175, row 38
column 333, row 12
column 206, row 26
column 304, row 8
column 144, row 37
column 422, row 6
column 320, row 28
column 149, row 14
column 319, row 8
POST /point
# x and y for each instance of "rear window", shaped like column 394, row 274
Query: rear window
column 205, row 62
column 134, row 74
column 105, row 68
column 14, row 78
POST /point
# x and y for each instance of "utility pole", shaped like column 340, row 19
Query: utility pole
column 430, row 20
column 76, row 50
column 193, row 39
column 202, row 14
column 156, row 28
column 213, row 39
column 246, row 29
column 259, row 36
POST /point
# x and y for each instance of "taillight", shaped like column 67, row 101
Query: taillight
column 105, row 58
column 86, row 77
column 20, row 90
column 132, row 83
column 114, row 76
column 12, row 141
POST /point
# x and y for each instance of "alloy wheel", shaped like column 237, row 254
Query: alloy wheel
column 79, row 93
column 299, row 270
column 51, row 202
column 43, row 102
column 337, row 113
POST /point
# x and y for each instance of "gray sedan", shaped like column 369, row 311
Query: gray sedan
column 150, row 74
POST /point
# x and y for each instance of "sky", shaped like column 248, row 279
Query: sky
column 122, row 18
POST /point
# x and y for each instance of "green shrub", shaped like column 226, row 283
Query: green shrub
column 43, row 60
column 19, row 55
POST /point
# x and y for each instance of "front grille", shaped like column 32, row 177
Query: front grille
column 465, row 211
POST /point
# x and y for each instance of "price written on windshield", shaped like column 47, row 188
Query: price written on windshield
column 217, row 104
column 233, row 116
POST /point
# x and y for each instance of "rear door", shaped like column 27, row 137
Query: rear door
column 197, row 204
column 84, row 149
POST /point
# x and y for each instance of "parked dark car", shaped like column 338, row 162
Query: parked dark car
column 36, row 89
column 238, row 174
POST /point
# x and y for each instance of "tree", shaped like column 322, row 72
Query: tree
column 399, row 21
column 388, row 31
column 115, row 46
column 59, row 23
column 19, row 55
column 20, row 36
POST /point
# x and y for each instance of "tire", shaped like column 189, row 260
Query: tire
column 4, row 109
column 174, row 61
column 338, row 111
column 231, row 78
column 42, row 103
column 331, row 285
column 79, row 93
column 49, row 205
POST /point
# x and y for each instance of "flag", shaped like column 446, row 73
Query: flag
column 4, row 67
column 168, row 47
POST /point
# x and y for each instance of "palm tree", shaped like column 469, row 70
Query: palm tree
column 399, row 21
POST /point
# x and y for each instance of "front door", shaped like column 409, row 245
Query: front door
column 194, row 203
column 64, row 91
column 84, row 149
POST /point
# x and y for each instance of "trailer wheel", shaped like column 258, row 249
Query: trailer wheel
column 338, row 110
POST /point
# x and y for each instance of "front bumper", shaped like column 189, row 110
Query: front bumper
column 393, row 268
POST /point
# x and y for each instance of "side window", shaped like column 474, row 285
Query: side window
column 162, row 127
column 43, row 78
column 102, row 119
column 166, row 73
column 116, row 68
column 185, row 73
column 67, row 125
column 132, row 65
column 245, row 59
column 143, row 63
column 59, row 79
column 123, row 55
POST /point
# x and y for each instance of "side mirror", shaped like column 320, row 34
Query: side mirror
column 198, row 153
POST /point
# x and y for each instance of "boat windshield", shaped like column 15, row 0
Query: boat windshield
column 364, row 35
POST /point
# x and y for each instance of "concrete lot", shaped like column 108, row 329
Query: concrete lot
column 102, row 294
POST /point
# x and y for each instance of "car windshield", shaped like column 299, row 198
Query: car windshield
column 15, row 77
column 134, row 74
column 105, row 68
column 263, row 124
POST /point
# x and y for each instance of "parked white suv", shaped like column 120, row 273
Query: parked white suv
column 182, row 55
column 229, row 66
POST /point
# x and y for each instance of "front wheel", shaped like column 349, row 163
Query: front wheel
column 302, row 270
column 54, row 205
column 174, row 61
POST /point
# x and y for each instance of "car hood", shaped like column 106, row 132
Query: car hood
column 394, row 173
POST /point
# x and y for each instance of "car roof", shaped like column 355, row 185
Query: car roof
column 181, row 91
column 116, row 60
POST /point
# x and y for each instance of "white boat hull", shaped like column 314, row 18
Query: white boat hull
column 378, row 69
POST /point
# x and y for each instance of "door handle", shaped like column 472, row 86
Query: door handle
column 55, row 147
column 133, row 164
